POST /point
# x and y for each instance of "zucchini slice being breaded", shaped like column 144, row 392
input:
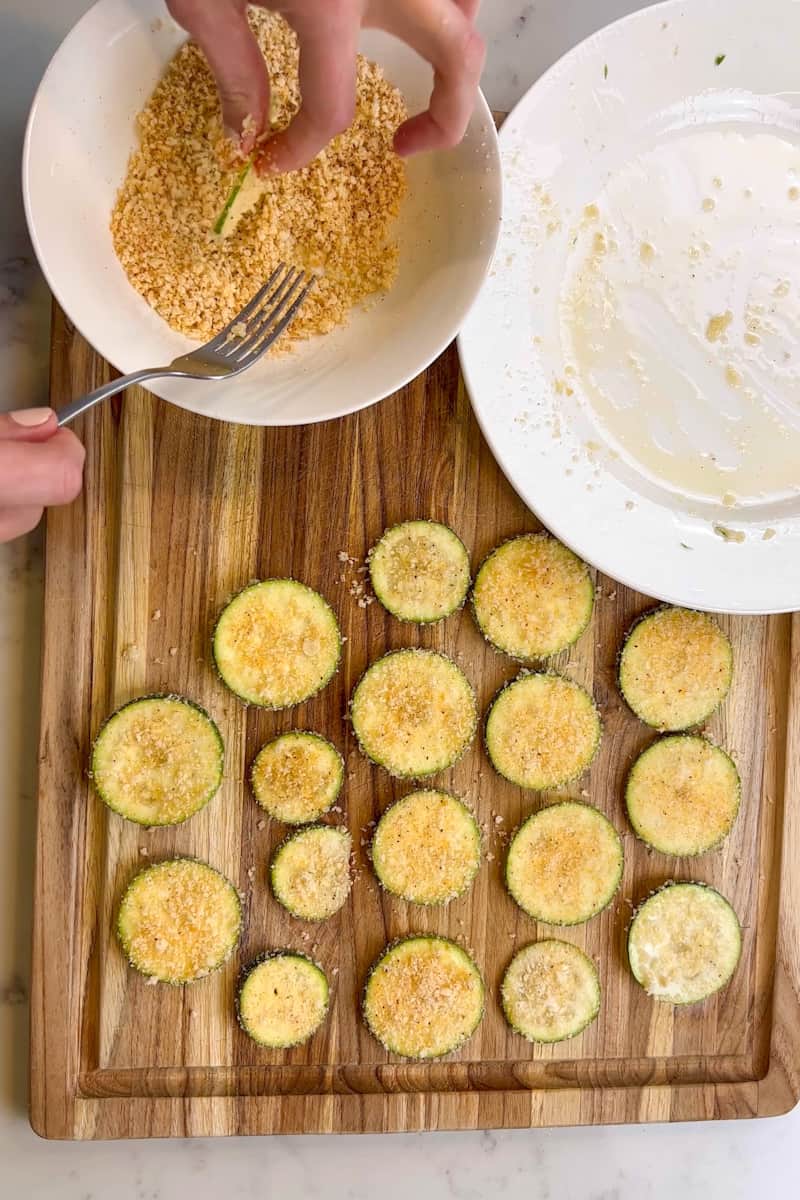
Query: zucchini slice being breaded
column 683, row 795
column 297, row 777
column 684, row 943
column 427, row 848
column 424, row 997
column 283, row 999
column 157, row 760
column 310, row 872
column 277, row 643
column 414, row 713
column 179, row 920
column 542, row 731
column 550, row 992
column 564, row 864
column 532, row 597
column 675, row 668
column 420, row 571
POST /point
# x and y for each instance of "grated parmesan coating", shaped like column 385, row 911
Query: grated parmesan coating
column 564, row 864
column 550, row 992
column 542, row 731
column 424, row 997
column 297, row 777
column 333, row 217
column 675, row 668
column 427, row 848
column 179, row 920
column 683, row 795
column 310, row 872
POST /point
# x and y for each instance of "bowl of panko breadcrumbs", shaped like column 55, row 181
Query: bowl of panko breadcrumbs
column 126, row 170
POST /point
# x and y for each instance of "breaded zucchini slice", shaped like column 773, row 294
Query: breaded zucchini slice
column 297, row 777
column 414, row 713
column 424, row 997
column 427, row 848
column 564, row 864
column 683, row 795
column 179, row 920
column 277, row 643
column 542, row 731
column 532, row 597
column 675, row 668
column 550, row 992
column 283, row 999
column 157, row 760
column 310, row 872
column 684, row 943
column 420, row 571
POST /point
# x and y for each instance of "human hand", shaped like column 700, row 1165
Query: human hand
column 442, row 31
column 40, row 465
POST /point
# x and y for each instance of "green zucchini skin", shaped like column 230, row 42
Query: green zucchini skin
column 382, row 589
column 276, row 705
column 247, row 973
column 96, row 771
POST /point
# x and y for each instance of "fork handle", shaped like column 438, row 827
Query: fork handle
column 74, row 409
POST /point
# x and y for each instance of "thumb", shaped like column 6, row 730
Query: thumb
column 28, row 425
column 222, row 32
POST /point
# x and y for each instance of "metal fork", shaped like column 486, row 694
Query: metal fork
column 257, row 327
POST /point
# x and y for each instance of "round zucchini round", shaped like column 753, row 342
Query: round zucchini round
column 424, row 997
column 675, row 668
column 564, row 864
column 157, row 760
column 542, row 731
column 550, row 992
column 420, row 571
column 297, row 777
column 179, row 920
column 277, row 643
column 683, row 795
column 427, row 848
column 532, row 597
column 283, row 999
column 414, row 713
column 684, row 943
column 310, row 872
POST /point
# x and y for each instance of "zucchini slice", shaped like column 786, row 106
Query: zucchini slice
column 310, row 872
column 424, row 997
column 675, row 668
column 283, row 999
column 427, row 848
column 683, row 795
column 684, row 943
column 179, row 920
column 420, row 571
column 542, row 731
column 157, row 760
column 532, row 597
column 550, row 992
column 564, row 864
column 247, row 189
column 277, row 643
column 414, row 713
column 297, row 777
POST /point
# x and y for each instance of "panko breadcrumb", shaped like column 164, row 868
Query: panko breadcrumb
column 332, row 218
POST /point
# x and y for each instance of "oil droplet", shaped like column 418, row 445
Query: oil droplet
column 752, row 338
column 591, row 212
column 694, row 252
column 729, row 500
column 768, row 535
column 748, row 193
column 718, row 326
column 600, row 244
column 647, row 252
column 733, row 378
column 782, row 288
column 794, row 193
column 717, row 182
column 709, row 205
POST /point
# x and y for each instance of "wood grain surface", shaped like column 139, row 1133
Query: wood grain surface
column 178, row 512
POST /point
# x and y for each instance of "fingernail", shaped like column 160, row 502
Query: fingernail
column 31, row 417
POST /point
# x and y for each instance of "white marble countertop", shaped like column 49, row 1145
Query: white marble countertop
column 738, row 1160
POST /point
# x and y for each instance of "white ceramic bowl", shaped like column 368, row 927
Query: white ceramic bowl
column 79, row 136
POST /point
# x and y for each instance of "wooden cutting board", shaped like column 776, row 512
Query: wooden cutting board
column 178, row 512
